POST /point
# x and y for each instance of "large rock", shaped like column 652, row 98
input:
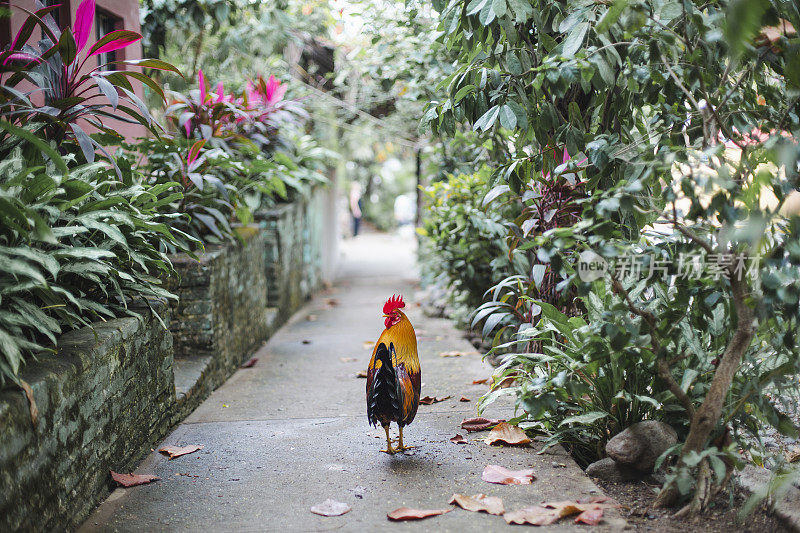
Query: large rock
column 609, row 470
column 641, row 444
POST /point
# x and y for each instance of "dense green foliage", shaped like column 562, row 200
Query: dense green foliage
column 78, row 245
column 683, row 122
column 466, row 243
column 84, row 236
column 81, row 239
column 232, row 155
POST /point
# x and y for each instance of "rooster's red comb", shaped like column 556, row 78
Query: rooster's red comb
column 395, row 302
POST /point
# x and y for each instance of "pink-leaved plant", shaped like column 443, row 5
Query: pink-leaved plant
column 73, row 90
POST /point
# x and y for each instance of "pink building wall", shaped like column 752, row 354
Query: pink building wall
column 127, row 11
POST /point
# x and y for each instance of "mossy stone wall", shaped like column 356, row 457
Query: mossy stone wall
column 103, row 400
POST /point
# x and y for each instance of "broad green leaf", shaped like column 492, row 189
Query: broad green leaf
column 611, row 15
column 574, row 39
column 487, row 120
column 507, row 117
column 499, row 7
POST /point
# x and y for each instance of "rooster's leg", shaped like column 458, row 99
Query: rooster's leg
column 400, row 446
column 389, row 449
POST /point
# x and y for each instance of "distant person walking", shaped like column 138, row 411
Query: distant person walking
column 355, row 206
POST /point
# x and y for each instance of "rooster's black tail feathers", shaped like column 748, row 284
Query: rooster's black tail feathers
column 383, row 404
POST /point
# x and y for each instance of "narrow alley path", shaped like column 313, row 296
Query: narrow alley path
column 291, row 431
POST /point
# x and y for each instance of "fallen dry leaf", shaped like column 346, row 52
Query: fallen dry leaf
column 505, row 433
column 406, row 513
column 456, row 353
column 250, row 363
column 132, row 480
column 361, row 374
column 793, row 455
column 590, row 517
column 479, row 423
column 479, row 503
column 463, row 399
column 428, row 400
column 332, row 302
column 177, row 451
column 505, row 383
column 589, row 512
column 480, row 381
column 504, row 476
column 348, row 359
column 535, row 516
column 306, row 341
column 770, row 35
column 312, row 318
column 330, row 508
column 368, row 345
column 32, row 407
column 458, row 439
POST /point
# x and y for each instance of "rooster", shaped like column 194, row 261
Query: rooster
column 393, row 376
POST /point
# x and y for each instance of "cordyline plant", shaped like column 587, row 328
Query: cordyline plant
column 255, row 116
column 551, row 200
column 688, row 115
column 68, row 89
column 224, row 151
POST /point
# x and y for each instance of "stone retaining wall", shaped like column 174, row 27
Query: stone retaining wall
column 103, row 401
column 221, row 313
column 293, row 255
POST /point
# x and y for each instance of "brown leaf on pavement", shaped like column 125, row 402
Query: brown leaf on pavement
column 250, row 363
column 589, row 512
column 406, row 513
column 479, row 423
column 311, row 318
column 590, row 517
column 463, row 399
column 480, row 381
column 332, row 302
column 793, row 455
column 132, row 480
column 505, row 433
column 428, row 400
column 361, row 374
column 535, row 516
column 177, row 451
column 479, row 503
column 504, row 476
column 330, row 508
column 458, row 439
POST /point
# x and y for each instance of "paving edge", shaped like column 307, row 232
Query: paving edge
column 787, row 508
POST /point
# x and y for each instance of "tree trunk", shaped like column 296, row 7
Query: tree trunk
column 707, row 416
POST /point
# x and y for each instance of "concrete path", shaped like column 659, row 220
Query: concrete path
column 292, row 431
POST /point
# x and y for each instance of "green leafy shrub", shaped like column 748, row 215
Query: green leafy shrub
column 232, row 156
column 466, row 241
column 77, row 244
column 688, row 117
